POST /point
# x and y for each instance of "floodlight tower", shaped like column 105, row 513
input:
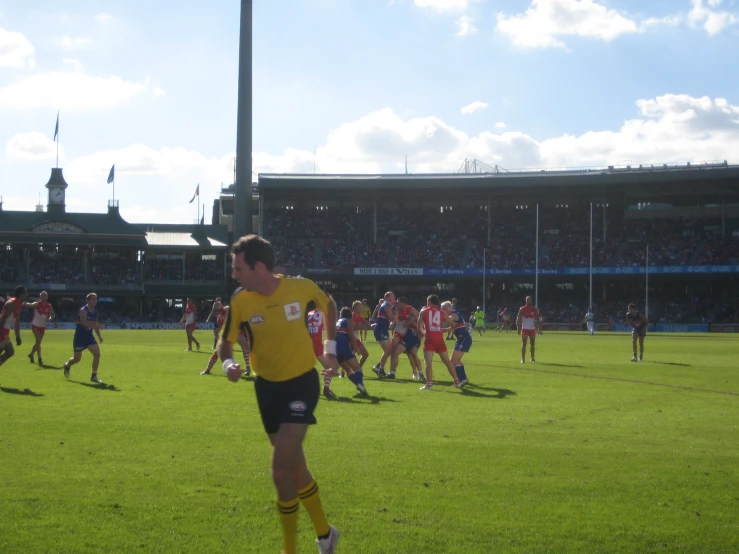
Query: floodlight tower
column 242, row 186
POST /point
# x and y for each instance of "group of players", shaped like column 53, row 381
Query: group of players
column 407, row 325
column 43, row 313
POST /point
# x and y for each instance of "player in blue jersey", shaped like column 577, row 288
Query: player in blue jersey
column 87, row 322
column 385, row 320
column 639, row 324
column 464, row 340
column 344, row 352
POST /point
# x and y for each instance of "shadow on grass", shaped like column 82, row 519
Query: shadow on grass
column 559, row 365
column 101, row 386
column 359, row 399
column 469, row 390
column 24, row 392
column 47, row 366
column 672, row 363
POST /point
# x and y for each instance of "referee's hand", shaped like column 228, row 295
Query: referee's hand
column 333, row 366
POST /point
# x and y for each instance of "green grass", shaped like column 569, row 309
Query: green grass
column 584, row 452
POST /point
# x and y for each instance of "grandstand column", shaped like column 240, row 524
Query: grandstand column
column 489, row 222
column 374, row 222
column 183, row 268
column 242, row 186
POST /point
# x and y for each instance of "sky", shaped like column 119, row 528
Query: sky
column 152, row 88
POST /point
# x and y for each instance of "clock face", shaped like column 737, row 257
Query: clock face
column 56, row 196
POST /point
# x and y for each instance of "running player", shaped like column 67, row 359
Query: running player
column 385, row 319
column 215, row 313
column 360, row 326
column 464, row 340
column 639, row 324
column 42, row 314
column 366, row 313
column 471, row 321
column 87, row 322
column 479, row 321
column 243, row 341
column 316, row 323
column 590, row 321
column 345, row 336
column 506, row 317
column 273, row 309
column 430, row 322
column 405, row 314
column 526, row 326
column 500, row 321
column 190, row 319
column 10, row 320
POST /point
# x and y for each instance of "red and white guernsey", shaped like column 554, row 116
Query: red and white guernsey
column 41, row 314
column 10, row 322
column 189, row 315
column 528, row 318
column 316, row 323
column 221, row 318
column 433, row 317
column 401, row 325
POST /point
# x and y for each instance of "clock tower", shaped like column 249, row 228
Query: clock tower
column 57, row 191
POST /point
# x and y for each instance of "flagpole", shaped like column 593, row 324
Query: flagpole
column 484, row 271
column 57, row 139
column 536, row 277
column 591, row 256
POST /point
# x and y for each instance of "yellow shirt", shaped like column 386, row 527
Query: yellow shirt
column 280, row 346
column 366, row 312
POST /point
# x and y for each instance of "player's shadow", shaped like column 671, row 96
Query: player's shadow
column 559, row 365
column 42, row 367
column 100, row 386
column 21, row 392
column 469, row 390
column 360, row 399
column 673, row 363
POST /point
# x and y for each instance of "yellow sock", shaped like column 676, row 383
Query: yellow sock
column 312, row 502
column 289, row 519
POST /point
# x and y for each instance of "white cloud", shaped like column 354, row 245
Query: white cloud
column 465, row 26
column 443, row 5
column 155, row 184
column 713, row 21
column 74, row 63
column 32, row 146
column 76, row 91
column 500, row 125
column 546, row 20
column 103, row 17
column 472, row 108
column 15, row 50
column 158, row 91
column 71, row 42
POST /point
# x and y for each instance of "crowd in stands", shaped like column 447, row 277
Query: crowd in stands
column 432, row 238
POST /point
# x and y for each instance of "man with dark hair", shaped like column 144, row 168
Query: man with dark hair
column 639, row 324
column 10, row 320
column 272, row 310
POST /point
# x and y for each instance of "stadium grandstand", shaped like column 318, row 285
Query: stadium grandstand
column 667, row 235
column 141, row 272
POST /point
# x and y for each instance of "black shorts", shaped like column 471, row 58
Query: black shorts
column 291, row 401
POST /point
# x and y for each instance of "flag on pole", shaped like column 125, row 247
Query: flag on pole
column 202, row 219
column 197, row 193
column 111, row 175
column 56, row 129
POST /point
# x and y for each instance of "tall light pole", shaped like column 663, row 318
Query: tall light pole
column 242, row 186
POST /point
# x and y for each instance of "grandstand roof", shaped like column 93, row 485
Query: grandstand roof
column 182, row 240
column 606, row 176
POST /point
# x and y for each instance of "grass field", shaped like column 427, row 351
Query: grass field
column 583, row 452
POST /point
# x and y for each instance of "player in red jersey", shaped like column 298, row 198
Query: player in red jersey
column 360, row 325
column 316, row 324
column 42, row 314
column 243, row 340
column 190, row 319
column 430, row 322
column 215, row 313
column 526, row 325
column 539, row 322
column 10, row 320
column 406, row 319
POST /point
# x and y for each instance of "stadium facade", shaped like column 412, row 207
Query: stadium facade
column 456, row 234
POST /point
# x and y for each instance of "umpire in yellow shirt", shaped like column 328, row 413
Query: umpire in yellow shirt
column 271, row 310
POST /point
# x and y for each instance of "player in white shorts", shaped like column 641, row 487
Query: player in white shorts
column 42, row 314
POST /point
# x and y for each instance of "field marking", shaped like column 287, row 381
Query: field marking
column 611, row 379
